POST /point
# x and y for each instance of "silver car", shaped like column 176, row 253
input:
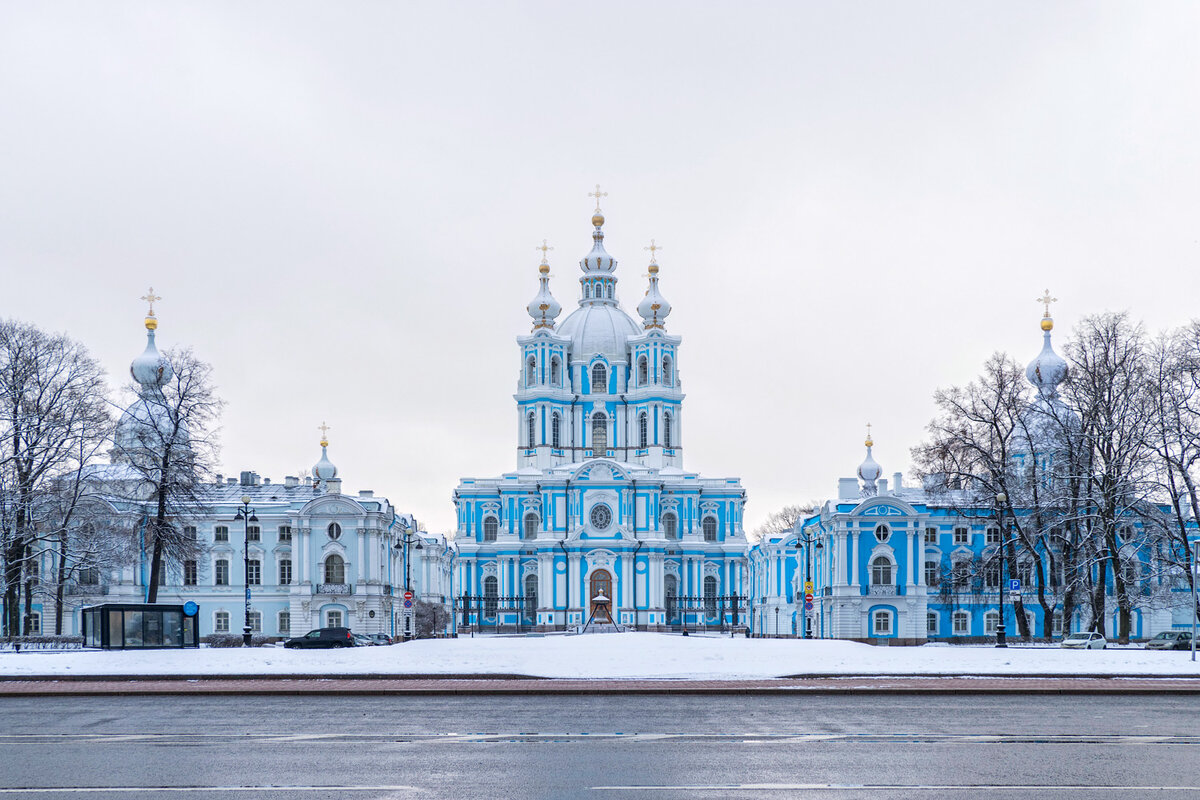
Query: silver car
column 1085, row 640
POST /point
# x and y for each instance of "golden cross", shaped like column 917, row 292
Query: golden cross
column 597, row 194
column 654, row 248
column 1047, row 299
column 544, row 248
column 868, row 430
column 150, row 298
column 324, row 429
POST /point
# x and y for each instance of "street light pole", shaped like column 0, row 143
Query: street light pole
column 1195, row 574
column 408, row 538
column 1001, row 499
column 246, row 515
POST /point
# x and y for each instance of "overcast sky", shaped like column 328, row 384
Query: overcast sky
column 339, row 204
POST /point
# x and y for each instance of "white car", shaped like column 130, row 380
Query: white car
column 1085, row 640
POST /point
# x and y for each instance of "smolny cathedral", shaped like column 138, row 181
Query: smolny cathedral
column 598, row 527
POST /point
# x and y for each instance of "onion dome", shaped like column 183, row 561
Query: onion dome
column 544, row 308
column 598, row 284
column 324, row 469
column 151, row 369
column 654, row 308
column 1049, row 369
column 869, row 470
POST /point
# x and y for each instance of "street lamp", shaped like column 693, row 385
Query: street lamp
column 246, row 515
column 1001, row 500
column 808, row 542
column 408, row 538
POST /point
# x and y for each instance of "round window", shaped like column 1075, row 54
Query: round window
column 335, row 530
column 601, row 517
column 882, row 533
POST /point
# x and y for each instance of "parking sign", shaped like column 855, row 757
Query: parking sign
column 1014, row 585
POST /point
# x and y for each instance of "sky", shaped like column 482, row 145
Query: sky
column 339, row 203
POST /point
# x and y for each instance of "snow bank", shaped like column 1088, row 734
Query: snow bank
column 620, row 656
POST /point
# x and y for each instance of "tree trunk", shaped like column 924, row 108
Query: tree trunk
column 60, row 583
column 1098, row 598
column 155, row 568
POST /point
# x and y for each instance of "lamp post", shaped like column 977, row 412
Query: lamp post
column 246, row 515
column 1001, row 500
column 408, row 538
column 807, row 540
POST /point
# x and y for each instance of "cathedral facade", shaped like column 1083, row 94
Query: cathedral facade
column 599, row 522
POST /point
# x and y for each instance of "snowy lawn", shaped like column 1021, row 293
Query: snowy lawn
column 620, row 655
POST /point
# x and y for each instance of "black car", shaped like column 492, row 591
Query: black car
column 324, row 637
column 1171, row 640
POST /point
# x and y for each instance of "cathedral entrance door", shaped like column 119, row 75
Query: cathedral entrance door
column 601, row 586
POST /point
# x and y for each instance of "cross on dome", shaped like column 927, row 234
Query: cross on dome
column 544, row 248
column 654, row 248
column 1047, row 300
column 150, row 297
column 324, row 429
column 597, row 194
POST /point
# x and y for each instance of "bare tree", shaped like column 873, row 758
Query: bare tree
column 783, row 520
column 167, row 439
column 54, row 419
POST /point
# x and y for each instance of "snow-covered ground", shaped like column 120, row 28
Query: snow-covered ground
column 620, row 656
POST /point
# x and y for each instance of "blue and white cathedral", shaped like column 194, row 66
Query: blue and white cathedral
column 600, row 521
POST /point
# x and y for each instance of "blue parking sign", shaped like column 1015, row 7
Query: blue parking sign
column 1014, row 585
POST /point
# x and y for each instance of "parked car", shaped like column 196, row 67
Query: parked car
column 1171, row 640
column 324, row 637
column 1085, row 640
column 362, row 640
column 379, row 638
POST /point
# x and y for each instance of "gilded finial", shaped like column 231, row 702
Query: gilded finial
column 597, row 215
column 150, row 297
column 544, row 267
column 869, row 442
column 324, row 429
column 1047, row 321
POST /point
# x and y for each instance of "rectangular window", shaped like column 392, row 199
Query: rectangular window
column 1057, row 623
column 89, row 576
column 285, row 533
column 962, row 536
column 254, row 573
column 931, row 623
column 32, row 570
column 961, row 623
column 221, row 622
column 333, row 619
column 285, row 571
column 932, row 573
column 221, row 533
column 35, row 622
column 253, row 533
column 285, row 623
column 990, row 621
column 883, row 623
column 993, row 536
column 256, row 622
column 189, row 532
column 189, row 573
column 221, row 573
column 931, row 536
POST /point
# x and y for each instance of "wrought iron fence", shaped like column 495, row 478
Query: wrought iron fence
column 707, row 612
column 499, row 612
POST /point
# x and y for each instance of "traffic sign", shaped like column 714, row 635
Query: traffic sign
column 1014, row 585
column 808, row 598
column 190, row 608
column 808, row 587
column 408, row 595
column 408, row 602
column 808, row 605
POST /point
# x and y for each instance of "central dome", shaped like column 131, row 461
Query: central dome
column 599, row 329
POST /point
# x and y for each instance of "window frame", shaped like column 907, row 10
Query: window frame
column 491, row 528
column 714, row 534
column 885, row 615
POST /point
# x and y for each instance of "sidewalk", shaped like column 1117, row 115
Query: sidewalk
column 421, row 686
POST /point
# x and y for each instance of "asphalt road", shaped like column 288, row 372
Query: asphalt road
column 604, row 747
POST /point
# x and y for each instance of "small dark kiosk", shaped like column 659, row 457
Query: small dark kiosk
column 138, row 626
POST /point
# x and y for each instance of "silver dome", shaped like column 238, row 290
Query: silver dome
column 599, row 329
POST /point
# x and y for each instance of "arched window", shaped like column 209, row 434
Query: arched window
column 491, row 596
column 667, row 429
column 668, row 378
column 531, row 595
column 643, row 429
column 530, row 371
column 882, row 533
column 710, row 596
column 670, row 525
column 334, row 530
column 555, row 372
column 643, row 371
column 556, row 430
column 991, row 621
column 610, row 288
column 587, row 291
column 531, row 526
column 335, row 569
column 491, row 526
column 599, row 379
column 530, row 429
column 599, row 435
column 881, row 571
column 710, row 529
